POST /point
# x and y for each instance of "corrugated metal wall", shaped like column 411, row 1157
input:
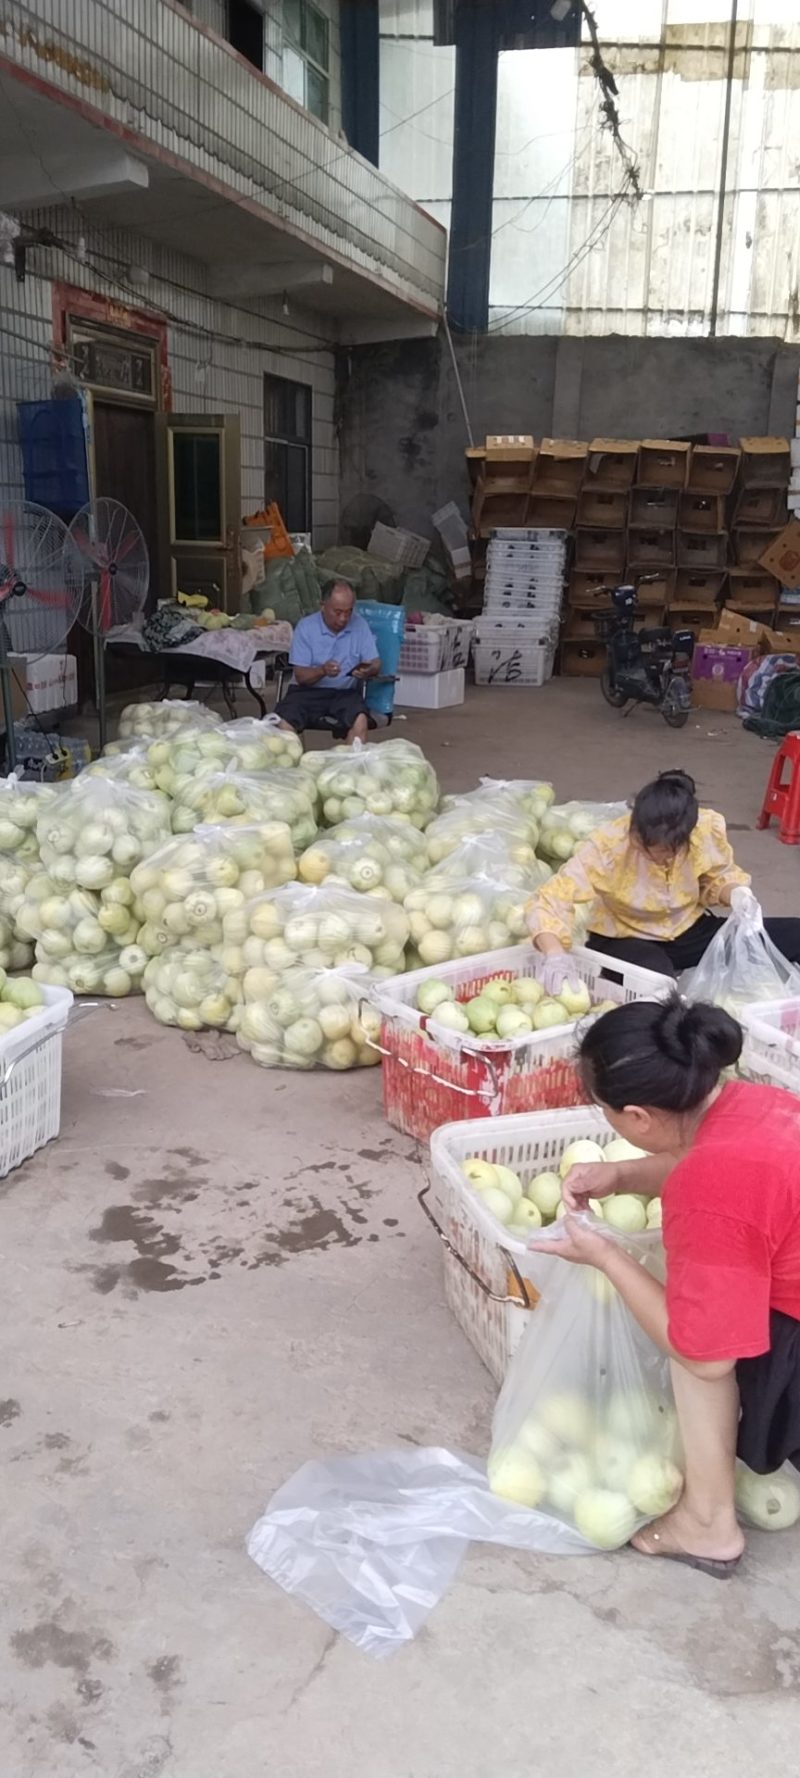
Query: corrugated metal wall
column 209, row 375
column 569, row 255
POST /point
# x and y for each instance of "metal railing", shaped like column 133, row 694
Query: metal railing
column 152, row 70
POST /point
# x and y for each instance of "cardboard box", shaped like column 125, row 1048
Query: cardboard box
column 611, row 462
column 657, row 508
column 604, row 509
column 716, row 669
column 700, row 512
column 749, row 546
column 546, row 511
column 663, row 463
column 713, row 468
column 650, row 549
column 761, row 506
column 765, row 460
column 752, row 590
column 734, row 628
column 703, row 552
column 560, row 465
column 782, row 558
column 600, row 551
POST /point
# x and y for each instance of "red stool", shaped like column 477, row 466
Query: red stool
column 783, row 797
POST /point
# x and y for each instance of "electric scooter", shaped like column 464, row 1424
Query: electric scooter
column 646, row 666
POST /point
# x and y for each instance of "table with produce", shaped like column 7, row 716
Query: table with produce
column 334, row 910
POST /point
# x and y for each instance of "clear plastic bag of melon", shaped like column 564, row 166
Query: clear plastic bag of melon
column 21, row 805
column 585, row 1431
column 246, row 745
column 96, row 830
column 496, row 806
column 247, row 798
column 374, row 855
column 83, row 940
column 492, row 855
column 182, row 892
column 468, row 818
column 741, row 966
column 387, row 778
column 453, row 917
column 309, row 1018
column 167, row 717
column 566, row 825
column 317, row 928
column 191, row 988
column 128, row 764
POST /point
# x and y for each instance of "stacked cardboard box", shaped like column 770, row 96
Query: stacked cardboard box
column 698, row 520
column 722, row 653
column 759, row 515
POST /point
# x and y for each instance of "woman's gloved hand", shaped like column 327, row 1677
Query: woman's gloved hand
column 744, row 905
column 555, row 971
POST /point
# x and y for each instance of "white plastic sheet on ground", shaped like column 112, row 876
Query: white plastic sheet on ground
column 372, row 1543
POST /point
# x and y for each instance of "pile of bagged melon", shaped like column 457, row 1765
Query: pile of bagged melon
column 244, row 885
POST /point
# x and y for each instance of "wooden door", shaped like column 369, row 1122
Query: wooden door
column 199, row 485
column 125, row 470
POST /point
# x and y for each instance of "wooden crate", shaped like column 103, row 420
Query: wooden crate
column 602, row 509
column 713, row 468
column 656, row 508
column 700, row 512
column 663, row 463
column 612, row 462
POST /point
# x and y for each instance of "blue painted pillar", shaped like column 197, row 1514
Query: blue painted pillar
column 360, row 43
column 475, row 118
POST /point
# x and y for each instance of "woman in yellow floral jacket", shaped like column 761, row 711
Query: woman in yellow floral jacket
column 647, row 882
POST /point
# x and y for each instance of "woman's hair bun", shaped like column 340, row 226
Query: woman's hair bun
column 676, row 775
column 697, row 1035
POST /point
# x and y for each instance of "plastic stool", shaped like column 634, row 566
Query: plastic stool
column 783, row 798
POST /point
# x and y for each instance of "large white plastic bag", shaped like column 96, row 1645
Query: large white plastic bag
column 282, row 794
column 483, row 813
column 585, row 1427
column 21, row 804
column 374, row 855
column 319, row 929
column 308, row 1018
column 372, row 1543
column 453, row 917
column 164, row 718
column 565, row 826
column 742, row 965
column 390, row 778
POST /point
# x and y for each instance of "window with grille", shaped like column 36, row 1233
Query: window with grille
column 287, row 450
column 306, row 56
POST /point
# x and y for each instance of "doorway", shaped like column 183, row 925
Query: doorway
column 125, row 470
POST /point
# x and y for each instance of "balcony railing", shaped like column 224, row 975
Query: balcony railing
column 147, row 66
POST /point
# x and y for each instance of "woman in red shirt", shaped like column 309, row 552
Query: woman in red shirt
column 727, row 1162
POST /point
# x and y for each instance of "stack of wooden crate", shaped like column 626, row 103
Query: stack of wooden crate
column 600, row 549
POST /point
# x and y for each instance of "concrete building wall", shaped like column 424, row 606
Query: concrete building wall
column 218, row 352
column 401, row 429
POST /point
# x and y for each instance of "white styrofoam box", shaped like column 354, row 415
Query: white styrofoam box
column 50, row 681
column 452, row 529
column 430, row 691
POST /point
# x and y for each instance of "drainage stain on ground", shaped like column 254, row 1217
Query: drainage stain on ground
column 168, row 1252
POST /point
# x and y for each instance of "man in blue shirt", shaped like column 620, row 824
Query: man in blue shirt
column 333, row 651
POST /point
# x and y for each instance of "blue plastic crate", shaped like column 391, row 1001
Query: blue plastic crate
column 387, row 623
column 54, row 462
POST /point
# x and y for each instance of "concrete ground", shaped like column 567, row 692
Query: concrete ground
column 217, row 1273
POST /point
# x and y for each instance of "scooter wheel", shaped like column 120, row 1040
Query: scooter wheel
column 675, row 718
column 612, row 696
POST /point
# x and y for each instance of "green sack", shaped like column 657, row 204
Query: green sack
column 781, row 711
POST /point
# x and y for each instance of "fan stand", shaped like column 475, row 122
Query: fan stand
column 7, row 696
column 100, row 606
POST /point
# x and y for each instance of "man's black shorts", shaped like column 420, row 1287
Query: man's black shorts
column 305, row 705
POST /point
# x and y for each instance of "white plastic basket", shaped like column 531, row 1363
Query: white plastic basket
column 489, row 1275
column 771, row 1051
column 393, row 544
column 432, row 1076
column 30, row 1080
column 514, row 663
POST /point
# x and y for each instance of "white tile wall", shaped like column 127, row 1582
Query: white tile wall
column 209, row 374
